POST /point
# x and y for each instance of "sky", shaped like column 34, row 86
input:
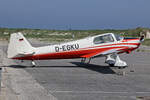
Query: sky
column 75, row 14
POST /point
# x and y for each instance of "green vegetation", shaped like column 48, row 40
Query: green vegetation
column 67, row 35
column 146, row 42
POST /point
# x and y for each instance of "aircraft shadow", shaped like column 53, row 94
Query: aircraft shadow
column 96, row 68
column 92, row 67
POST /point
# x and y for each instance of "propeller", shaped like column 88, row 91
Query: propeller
column 142, row 38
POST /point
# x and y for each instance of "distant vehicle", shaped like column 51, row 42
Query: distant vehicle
column 107, row 45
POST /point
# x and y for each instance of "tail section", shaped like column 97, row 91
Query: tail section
column 19, row 46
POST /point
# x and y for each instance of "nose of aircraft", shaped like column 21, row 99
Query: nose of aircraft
column 133, row 42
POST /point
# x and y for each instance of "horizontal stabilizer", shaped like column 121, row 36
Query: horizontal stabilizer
column 26, row 53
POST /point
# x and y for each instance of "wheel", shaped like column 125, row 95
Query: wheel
column 121, row 67
column 33, row 66
column 111, row 65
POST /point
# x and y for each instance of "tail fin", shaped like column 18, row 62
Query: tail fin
column 18, row 45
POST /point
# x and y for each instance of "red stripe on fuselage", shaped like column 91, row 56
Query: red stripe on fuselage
column 83, row 52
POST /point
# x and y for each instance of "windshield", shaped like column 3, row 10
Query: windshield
column 103, row 39
column 118, row 37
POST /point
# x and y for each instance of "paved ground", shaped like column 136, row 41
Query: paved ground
column 1, row 65
column 72, row 80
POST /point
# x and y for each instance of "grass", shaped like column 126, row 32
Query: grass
column 146, row 42
column 66, row 35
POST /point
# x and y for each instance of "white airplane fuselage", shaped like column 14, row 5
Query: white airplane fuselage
column 83, row 48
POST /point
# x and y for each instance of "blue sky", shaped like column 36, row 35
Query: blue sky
column 77, row 14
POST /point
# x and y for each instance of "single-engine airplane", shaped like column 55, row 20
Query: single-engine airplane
column 107, row 45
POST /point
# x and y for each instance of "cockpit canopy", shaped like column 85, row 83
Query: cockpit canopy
column 107, row 38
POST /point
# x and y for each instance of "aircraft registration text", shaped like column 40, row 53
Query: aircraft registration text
column 66, row 47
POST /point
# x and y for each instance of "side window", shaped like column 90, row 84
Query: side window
column 103, row 39
column 98, row 40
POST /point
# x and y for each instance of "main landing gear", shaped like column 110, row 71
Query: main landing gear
column 114, row 60
column 83, row 60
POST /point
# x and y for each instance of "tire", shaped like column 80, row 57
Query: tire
column 122, row 67
column 111, row 65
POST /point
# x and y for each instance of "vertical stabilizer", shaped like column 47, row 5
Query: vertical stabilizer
column 18, row 44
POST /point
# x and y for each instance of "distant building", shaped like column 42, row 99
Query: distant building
column 147, row 35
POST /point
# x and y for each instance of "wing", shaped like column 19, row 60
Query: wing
column 101, row 52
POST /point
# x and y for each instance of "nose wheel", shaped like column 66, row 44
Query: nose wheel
column 114, row 60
